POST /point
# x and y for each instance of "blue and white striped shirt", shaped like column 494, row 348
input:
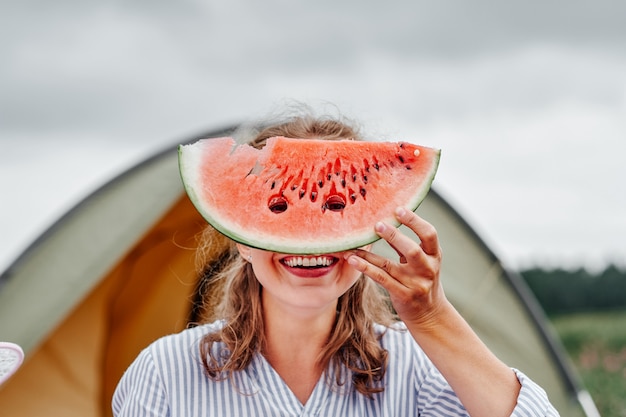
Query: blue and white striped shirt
column 167, row 379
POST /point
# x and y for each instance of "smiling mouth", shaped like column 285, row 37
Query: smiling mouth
column 309, row 261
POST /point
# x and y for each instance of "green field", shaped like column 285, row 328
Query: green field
column 596, row 343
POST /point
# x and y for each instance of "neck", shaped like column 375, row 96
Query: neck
column 294, row 339
column 299, row 334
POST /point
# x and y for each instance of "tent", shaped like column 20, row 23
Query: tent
column 117, row 271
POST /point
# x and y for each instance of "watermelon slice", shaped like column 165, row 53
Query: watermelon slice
column 304, row 196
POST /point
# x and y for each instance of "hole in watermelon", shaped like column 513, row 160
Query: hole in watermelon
column 335, row 203
column 278, row 204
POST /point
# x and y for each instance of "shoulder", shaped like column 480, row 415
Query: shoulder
column 411, row 376
column 406, row 357
column 169, row 355
column 396, row 336
column 172, row 353
column 163, row 370
column 402, row 347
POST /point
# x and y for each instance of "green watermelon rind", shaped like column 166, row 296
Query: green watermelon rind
column 189, row 177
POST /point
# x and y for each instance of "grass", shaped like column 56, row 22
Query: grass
column 596, row 342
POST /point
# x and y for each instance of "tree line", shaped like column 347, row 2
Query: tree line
column 561, row 291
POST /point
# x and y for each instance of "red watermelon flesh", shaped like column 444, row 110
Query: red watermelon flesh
column 304, row 196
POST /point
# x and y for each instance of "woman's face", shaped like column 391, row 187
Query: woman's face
column 301, row 281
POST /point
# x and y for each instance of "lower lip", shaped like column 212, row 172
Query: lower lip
column 309, row 272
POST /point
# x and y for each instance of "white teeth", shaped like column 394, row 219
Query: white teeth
column 309, row 262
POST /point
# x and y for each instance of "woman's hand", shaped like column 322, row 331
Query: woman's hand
column 413, row 281
column 485, row 385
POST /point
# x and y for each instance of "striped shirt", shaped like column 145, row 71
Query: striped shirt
column 167, row 379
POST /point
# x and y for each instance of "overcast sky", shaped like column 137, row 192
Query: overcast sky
column 527, row 101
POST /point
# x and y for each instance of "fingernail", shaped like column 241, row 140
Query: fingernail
column 352, row 260
column 400, row 211
column 380, row 227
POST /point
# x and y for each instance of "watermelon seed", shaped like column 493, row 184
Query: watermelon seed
column 305, row 185
column 376, row 167
column 353, row 197
column 313, row 196
column 320, row 183
column 343, row 182
column 273, row 185
column 365, row 179
column 409, row 167
column 277, row 204
column 363, row 192
column 401, row 158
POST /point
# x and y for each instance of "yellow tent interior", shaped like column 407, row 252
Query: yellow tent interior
column 73, row 372
column 117, row 272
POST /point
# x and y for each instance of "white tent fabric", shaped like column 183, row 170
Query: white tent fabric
column 117, row 271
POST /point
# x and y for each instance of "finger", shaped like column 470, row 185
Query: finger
column 412, row 255
column 401, row 256
column 424, row 230
column 405, row 246
column 366, row 262
column 393, row 270
column 377, row 260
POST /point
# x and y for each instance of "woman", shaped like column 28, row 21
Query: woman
column 315, row 335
